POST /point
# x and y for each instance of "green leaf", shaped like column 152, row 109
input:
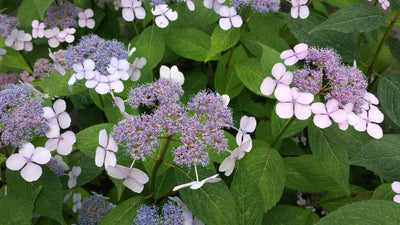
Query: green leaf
column 334, row 200
column 164, row 183
column 395, row 4
column 124, row 213
column 196, row 19
column 384, row 192
column 150, row 45
column 249, row 205
column 189, row 43
column 194, row 82
column 250, row 73
column 343, row 43
column 27, row 12
column 42, row 6
column 269, row 58
column 88, row 166
column 381, row 156
column 83, row 4
column 252, row 39
column 389, row 96
column 330, row 155
column 16, row 208
column 213, row 203
column 222, row 40
column 287, row 214
column 295, row 127
column 370, row 212
column 57, row 84
column 266, row 169
column 50, row 198
column 342, row 3
column 87, row 139
column 14, row 59
column 233, row 86
column 304, row 174
column 394, row 46
column 359, row 17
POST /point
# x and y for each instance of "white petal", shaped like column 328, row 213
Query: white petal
column 396, row 187
column 26, row 150
column 284, row 110
column 236, row 21
column 51, row 144
column 197, row 184
column 64, row 120
column 31, row 172
column 225, row 23
column 118, row 172
column 127, row 14
column 294, row 12
column 59, row 106
column 117, row 86
column 339, row 116
column 90, row 23
column 133, row 185
column 161, row 21
column 54, row 129
column 99, row 158
column 283, row 94
column 66, row 143
column 140, row 13
column 318, row 108
column 140, row 176
column 322, row 121
column 102, row 88
column 224, row 11
column 110, row 159
column 227, row 166
column 103, row 138
column 396, row 198
column 15, row 162
column 239, row 136
column 48, row 112
column 267, row 86
column 183, row 186
column 301, row 111
column 374, row 130
column 41, row 155
column 304, row 12
column 305, row 98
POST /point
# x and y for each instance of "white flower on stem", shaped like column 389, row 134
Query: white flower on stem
column 105, row 154
column 290, row 98
column 247, row 125
column 37, row 29
column 2, row 52
column 104, row 84
column 67, row 35
column 135, row 67
column 228, row 164
column 351, row 117
column 282, row 77
column 172, row 74
column 323, row 112
column 396, row 189
column 19, row 40
column 291, row 57
column 119, row 68
column 58, row 115
column 229, row 18
column 84, row 70
column 213, row 4
column 57, row 64
column 299, row 9
column 76, row 199
column 188, row 218
column 368, row 121
column 85, row 19
column 198, row 184
column 132, row 8
column 52, row 35
column 27, row 158
column 163, row 14
column 134, row 179
column 63, row 143
column 61, row 162
column 73, row 176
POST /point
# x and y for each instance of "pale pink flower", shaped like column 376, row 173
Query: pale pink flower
column 63, row 143
column 290, row 98
column 228, row 164
column 291, row 57
column 132, row 8
column 396, row 189
column 58, row 115
column 323, row 112
column 85, row 19
column 213, row 4
column 247, row 125
column 105, row 154
column 198, row 184
column 368, row 120
column 299, row 8
column 351, row 117
column 37, row 29
column 57, row 64
column 73, row 176
column 52, row 35
column 26, row 158
column 104, row 84
column 66, row 35
column 229, row 18
column 134, row 69
column 370, row 99
column 134, row 179
column 19, row 40
column 163, row 14
column 384, row 4
column 282, row 77
column 76, row 199
column 172, row 74
column 84, row 70
column 119, row 68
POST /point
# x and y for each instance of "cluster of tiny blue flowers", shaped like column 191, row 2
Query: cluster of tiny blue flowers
column 20, row 115
column 62, row 15
column 262, row 6
column 198, row 126
column 343, row 83
column 43, row 68
column 56, row 167
column 7, row 25
column 8, row 78
column 93, row 209
column 97, row 49
column 171, row 215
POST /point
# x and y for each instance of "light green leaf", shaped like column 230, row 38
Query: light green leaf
column 304, row 174
column 87, row 139
column 27, row 12
column 124, row 213
column 359, row 17
column 222, row 40
column 250, row 73
column 269, row 58
column 334, row 200
column 381, row 156
column 384, row 192
column 198, row 18
column 88, row 166
column 370, row 212
column 389, row 96
column 213, row 203
column 164, row 183
column 342, row 3
column 42, row 6
column 56, row 84
column 330, row 155
column 295, row 127
column 249, row 205
column 287, row 214
column 150, row 45
column 13, row 59
column 266, row 169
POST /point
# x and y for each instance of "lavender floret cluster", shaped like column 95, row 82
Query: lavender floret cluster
column 97, row 49
column 171, row 215
column 63, row 15
column 93, row 209
column 20, row 115
column 43, row 68
column 262, row 6
column 343, row 83
column 8, row 78
column 7, row 25
column 56, row 168
column 198, row 125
